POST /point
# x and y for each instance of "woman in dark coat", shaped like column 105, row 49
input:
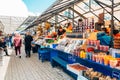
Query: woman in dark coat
column 27, row 41
column 3, row 46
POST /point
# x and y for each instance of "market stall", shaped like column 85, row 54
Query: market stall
column 86, row 38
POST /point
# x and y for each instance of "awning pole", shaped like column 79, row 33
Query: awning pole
column 112, row 23
column 112, row 18
column 73, row 16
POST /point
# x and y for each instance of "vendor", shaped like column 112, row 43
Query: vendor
column 61, row 31
column 104, row 30
column 116, row 33
column 104, row 38
column 69, row 26
column 109, row 29
column 116, row 38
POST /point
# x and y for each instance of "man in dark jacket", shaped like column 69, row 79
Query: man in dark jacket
column 27, row 41
column 3, row 46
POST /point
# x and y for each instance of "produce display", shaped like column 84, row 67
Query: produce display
column 47, row 25
column 39, row 31
column 40, row 41
column 88, row 73
column 94, row 75
column 68, row 45
column 99, row 57
column 44, row 41
column 96, row 45
column 52, row 35
column 62, row 44
column 74, row 47
column 49, row 40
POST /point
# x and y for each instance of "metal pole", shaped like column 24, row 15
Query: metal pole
column 106, row 9
column 73, row 16
column 89, row 5
column 56, row 19
column 112, row 18
column 103, row 18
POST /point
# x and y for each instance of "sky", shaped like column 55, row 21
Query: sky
column 23, row 8
column 38, row 6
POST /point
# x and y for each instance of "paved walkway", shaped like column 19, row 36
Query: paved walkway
column 31, row 69
column 4, row 65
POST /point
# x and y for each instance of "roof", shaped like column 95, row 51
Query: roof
column 10, row 23
column 82, row 9
column 26, row 23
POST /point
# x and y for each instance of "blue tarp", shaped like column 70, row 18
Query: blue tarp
column 104, row 39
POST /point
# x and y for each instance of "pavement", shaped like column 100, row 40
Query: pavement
column 4, row 64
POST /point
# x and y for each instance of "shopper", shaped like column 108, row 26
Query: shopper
column 17, row 44
column 7, row 39
column 27, row 41
column 10, row 41
column 3, row 46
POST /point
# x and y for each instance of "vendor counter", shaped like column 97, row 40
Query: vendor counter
column 69, row 58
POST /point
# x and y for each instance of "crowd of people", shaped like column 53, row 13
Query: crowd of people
column 15, row 42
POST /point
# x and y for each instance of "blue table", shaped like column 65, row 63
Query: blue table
column 106, row 70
